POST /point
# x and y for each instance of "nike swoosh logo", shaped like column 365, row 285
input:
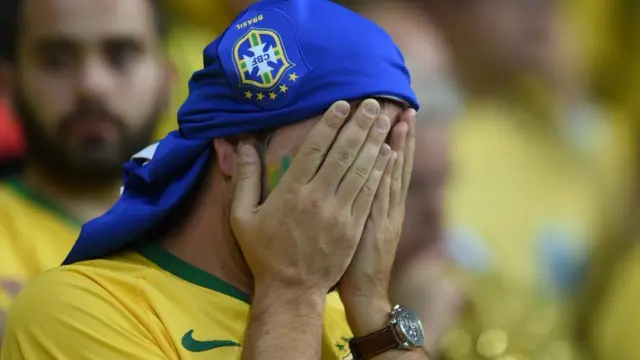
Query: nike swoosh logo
column 193, row 345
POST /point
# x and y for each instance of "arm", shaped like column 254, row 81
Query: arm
column 284, row 324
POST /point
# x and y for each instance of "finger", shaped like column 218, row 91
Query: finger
column 347, row 146
column 398, row 141
column 312, row 153
column 359, row 172
column 362, row 205
column 380, row 207
column 409, row 150
column 247, row 182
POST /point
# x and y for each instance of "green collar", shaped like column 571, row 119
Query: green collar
column 18, row 186
column 169, row 262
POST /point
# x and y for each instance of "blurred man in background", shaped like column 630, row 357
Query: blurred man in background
column 527, row 201
column 496, row 42
column 421, row 271
column 89, row 81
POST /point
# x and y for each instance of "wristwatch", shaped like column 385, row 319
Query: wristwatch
column 404, row 332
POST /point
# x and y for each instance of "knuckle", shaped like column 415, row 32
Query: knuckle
column 361, row 172
column 376, row 138
column 313, row 149
column 380, row 165
column 314, row 202
column 363, row 122
column 371, row 187
column 408, row 166
column 245, row 175
column 333, row 121
column 345, row 157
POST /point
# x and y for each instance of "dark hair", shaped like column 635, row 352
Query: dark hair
column 10, row 20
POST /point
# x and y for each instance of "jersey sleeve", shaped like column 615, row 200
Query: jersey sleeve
column 65, row 315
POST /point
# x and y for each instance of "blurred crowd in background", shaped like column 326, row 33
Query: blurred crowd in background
column 519, row 240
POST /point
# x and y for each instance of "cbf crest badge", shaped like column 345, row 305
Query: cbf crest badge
column 261, row 55
column 261, row 59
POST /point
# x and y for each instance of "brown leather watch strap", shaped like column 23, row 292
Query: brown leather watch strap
column 366, row 347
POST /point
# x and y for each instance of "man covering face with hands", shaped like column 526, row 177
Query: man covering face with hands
column 232, row 232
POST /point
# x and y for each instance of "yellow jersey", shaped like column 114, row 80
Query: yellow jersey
column 35, row 235
column 144, row 304
column 617, row 321
column 524, row 206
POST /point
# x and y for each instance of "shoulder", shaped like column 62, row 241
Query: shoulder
column 86, row 303
column 22, row 207
column 68, row 292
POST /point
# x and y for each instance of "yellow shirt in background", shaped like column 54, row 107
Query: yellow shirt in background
column 184, row 45
column 617, row 323
column 140, row 305
column 524, row 206
column 194, row 24
column 35, row 236
column 212, row 15
column 610, row 31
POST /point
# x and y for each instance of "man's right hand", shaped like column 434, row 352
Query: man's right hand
column 304, row 235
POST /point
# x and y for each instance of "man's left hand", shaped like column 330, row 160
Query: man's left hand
column 364, row 288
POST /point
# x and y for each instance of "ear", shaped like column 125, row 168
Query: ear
column 225, row 154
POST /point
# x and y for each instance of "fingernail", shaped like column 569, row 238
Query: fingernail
column 342, row 108
column 386, row 150
column 371, row 108
column 383, row 124
column 246, row 154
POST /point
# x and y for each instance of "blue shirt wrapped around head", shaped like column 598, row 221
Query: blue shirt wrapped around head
column 280, row 62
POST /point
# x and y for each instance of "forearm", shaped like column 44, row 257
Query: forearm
column 284, row 324
column 370, row 316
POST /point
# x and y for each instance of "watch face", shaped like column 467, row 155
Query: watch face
column 411, row 327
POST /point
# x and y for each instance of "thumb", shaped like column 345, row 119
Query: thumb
column 247, row 182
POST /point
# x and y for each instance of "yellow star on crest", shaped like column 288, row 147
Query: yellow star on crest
column 293, row 77
column 260, row 96
column 248, row 94
column 273, row 95
column 283, row 88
